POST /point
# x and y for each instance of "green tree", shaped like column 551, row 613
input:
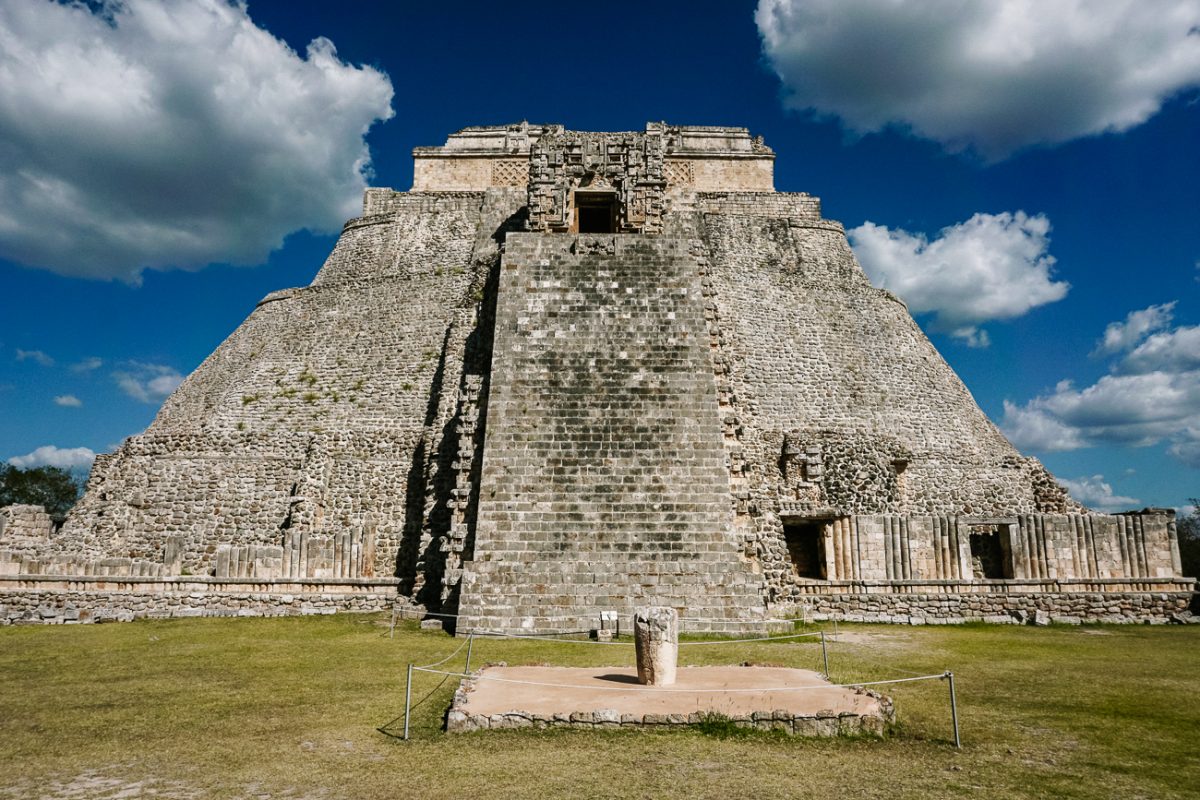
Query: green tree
column 52, row 487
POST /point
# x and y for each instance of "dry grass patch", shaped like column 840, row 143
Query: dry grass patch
column 288, row 708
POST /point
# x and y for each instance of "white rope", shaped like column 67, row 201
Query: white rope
column 641, row 688
column 418, row 613
column 760, row 639
column 465, row 642
column 869, row 661
column 534, row 638
column 731, row 621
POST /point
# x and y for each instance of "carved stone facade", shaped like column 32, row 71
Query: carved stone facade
column 571, row 374
column 563, row 165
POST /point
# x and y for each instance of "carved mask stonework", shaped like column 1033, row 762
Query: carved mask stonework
column 629, row 164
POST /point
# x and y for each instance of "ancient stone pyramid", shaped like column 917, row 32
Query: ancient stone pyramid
column 575, row 372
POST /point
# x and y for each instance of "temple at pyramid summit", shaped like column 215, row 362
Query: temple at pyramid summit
column 567, row 375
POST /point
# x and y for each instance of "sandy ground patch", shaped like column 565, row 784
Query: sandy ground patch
column 726, row 690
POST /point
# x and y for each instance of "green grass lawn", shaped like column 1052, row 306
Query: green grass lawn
column 288, row 708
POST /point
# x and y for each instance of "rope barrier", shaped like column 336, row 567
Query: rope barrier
column 759, row 639
column 940, row 676
column 429, row 668
column 465, row 642
column 870, row 662
column 418, row 613
column 541, row 638
column 550, row 638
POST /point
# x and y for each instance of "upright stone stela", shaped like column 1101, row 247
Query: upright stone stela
column 656, row 645
column 604, row 466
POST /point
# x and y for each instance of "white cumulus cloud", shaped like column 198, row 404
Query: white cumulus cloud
column 1120, row 336
column 36, row 356
column 1094, row 491
column 1172, row 351
column 68, row 400
column 149, row 383
column 51, row 456
column 1136, row 410
column 87, row 364
column 1033, row 428
column 1151, row 395
column 993, row 76
column 991, row 267
column 171, row 134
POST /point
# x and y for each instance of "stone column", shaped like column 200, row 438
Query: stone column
column 656, row 638
column 173, row 554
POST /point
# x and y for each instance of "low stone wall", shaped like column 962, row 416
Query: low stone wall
column 999, row 602
column 32, row 600
column 51, row 599
column 822, row 723
column 819, row 723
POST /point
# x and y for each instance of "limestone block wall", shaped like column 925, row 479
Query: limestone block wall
column 323, row 414
column 820, row 352
column 701, row 158
column 718, row 174
column 1064, row 603
column 896, row 547
column 478, row 158
column 927, row 568
column 452, row 173
column 837, row 403
column 54, row 600
column 604, row 482
column 15, row 562
column 664, row 411
column 797, row 206
column 27, row 525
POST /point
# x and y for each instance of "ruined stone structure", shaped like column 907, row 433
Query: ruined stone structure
column 571, row 373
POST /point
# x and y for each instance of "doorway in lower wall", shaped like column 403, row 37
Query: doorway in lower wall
column 806, row 548
column 991, row 552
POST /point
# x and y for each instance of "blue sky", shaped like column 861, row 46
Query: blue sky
column 1028, row 178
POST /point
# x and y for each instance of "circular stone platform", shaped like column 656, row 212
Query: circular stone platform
column 768, row 698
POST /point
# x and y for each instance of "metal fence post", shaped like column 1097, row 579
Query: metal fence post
column 407, row 700
column 392, row 632
column 470, row 645
column 954, row 710
column 824, row 655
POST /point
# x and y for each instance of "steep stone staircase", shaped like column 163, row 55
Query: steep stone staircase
column 604, row 485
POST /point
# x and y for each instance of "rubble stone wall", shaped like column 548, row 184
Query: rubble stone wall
column 838, row 403
column 51, row 601
column 319, row 411
column 1061, row 603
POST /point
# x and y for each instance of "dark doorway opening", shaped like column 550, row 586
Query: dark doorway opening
column 989, row 559
column 596, row 212
column 806, row 546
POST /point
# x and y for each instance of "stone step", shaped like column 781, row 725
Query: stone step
column 605, row 474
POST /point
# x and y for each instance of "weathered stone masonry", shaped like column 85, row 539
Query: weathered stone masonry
column 604, row 477
column 575, row 372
